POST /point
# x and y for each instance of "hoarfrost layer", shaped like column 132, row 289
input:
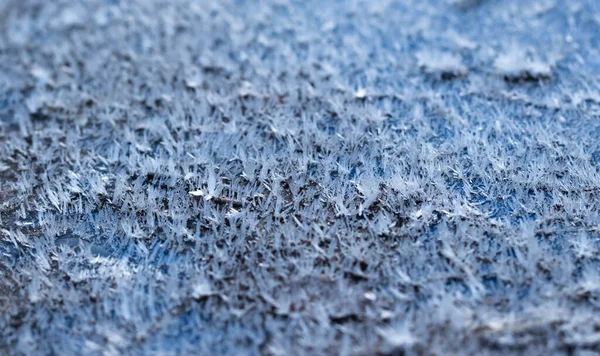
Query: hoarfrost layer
column 299, row 177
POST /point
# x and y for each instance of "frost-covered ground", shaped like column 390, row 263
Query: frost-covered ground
column 299, row 177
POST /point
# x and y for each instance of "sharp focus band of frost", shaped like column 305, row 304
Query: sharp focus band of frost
column 299, row 177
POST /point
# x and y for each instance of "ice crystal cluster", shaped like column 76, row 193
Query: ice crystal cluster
column 282, row 177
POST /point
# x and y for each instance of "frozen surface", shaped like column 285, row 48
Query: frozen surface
column 299, row 177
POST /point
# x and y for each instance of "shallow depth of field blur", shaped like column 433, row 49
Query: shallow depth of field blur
column 286, row 177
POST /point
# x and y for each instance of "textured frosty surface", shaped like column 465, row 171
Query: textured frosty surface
column 306, row 177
